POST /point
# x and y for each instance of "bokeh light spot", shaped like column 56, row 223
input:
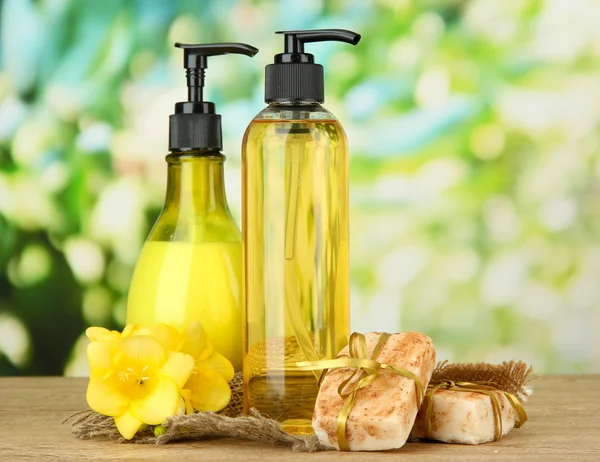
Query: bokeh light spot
column 85, row 259
column 14, row 339
column 97, row 305
column 487, row 141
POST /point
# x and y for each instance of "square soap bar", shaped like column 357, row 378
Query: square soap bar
column 463, row 417
column 384, row 412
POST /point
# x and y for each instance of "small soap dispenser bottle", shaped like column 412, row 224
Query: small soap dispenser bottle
column 295, row 235
column 190, row 266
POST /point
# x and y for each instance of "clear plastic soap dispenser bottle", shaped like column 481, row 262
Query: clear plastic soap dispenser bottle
column 295, row 235
column 190, row 266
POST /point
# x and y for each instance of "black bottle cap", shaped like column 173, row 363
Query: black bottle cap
column 195, row 124
column 294, row 76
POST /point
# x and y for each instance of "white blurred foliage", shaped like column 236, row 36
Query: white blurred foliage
column 77, row 365
column 459, row 266
column 54, row 178
column 118, row 218
column 503, row 277
column 432, row 88
column 66, row 101
column 401, row 266
column 439, row 175
column 497, row 21
column 94, row 137
column 24, row 202
column 540, row 302
column 12, row 112
column 552, row 41
column 85, row 258
column 502, row 222
column 30, row 267
column 538, row 110
column 97, row 305
column 558, row 213
column 487, row 141
column 14, row 339
column 423, row 253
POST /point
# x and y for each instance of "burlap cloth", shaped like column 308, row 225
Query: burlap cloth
column 228, row 423
column 510, row 376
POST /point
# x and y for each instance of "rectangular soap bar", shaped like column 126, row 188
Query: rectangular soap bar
column 384, row 412
column 463, row 417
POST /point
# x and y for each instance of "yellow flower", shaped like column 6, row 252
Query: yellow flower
column 134, row 378
column 100, row 334
column 167, row 336
column 207, row 389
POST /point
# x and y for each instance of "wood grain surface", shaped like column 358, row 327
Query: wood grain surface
column 564, row 424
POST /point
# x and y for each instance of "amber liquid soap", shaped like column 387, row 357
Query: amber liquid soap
column 295, row 233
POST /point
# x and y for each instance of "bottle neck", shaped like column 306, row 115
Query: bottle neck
column 295, row 110
column 285, row 104
column 195, row 182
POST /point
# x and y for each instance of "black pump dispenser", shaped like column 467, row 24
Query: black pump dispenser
column 195, row 124
column 294, row 76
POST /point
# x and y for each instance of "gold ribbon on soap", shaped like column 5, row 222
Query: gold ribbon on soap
column 367, row 370
column 476, row 387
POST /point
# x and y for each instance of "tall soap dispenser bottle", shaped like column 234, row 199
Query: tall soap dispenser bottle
column 295, row 235
column 190, row 266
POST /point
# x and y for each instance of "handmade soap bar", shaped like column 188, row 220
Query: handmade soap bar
column 463, row 417
column 384, row 411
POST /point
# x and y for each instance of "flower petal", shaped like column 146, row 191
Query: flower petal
column 209, row 391
column 180, row 406
column 195, row 342
column 186, row 395
column 166, row 335
column 98, row 354
column 139, row 350
column 127, row 425
column 178, row 367
column 105, row 399
column 157, row 405
column 131, row 329
column 100, row 334
column 220, row 364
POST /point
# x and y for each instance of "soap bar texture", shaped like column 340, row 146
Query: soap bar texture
column 463, row 417
column 384, row 412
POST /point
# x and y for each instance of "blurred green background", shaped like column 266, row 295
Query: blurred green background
column 475, row 163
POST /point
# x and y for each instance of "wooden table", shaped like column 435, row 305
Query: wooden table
column 564, row 424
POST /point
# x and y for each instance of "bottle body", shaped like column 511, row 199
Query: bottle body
column 296, row 274
column 190, row 266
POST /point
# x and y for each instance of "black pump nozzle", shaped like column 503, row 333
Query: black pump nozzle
column 195, row 62
column 294, row 76
column 295, row 39
column 195, row 124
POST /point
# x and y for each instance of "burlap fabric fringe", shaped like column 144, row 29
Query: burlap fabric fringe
column 512, row 376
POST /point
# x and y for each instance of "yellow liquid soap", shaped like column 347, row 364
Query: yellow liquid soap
column 295, row 206
column 190, row 267
column 180, row 282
